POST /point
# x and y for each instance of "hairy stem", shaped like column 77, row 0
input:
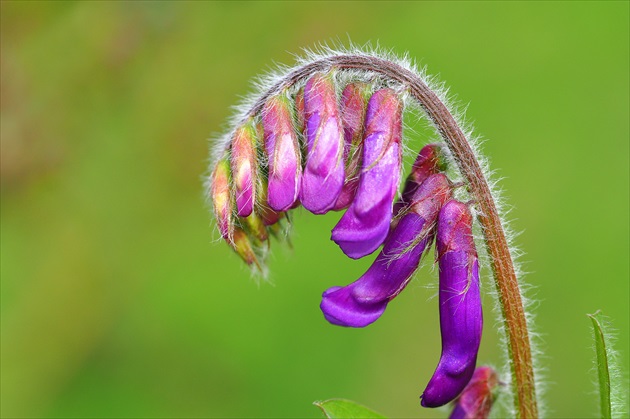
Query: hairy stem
column 502, row 264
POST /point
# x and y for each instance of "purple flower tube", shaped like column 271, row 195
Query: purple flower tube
column 323, row 175
column 363, row 301
column 461, row 319
column 365, row 224
column 283, row 151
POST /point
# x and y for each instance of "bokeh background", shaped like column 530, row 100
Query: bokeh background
column 117, row 302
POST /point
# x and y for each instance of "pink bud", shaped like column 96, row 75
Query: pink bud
column 324, row 171
column 477, row 398
column 283, row 151
column 245, row 166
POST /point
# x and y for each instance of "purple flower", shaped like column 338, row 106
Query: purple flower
column 323, row 175
column 460, row 305
column 245, row 166
column 283, row 151
column 429, row 161
column 365, row 224
column 477, row 398
column 363, row 301
column 353, row 106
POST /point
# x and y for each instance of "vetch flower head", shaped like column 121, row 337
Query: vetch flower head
column 332, row 140
column 363, row 301
column 461, row 319
column 365, row 224
column 478, row 397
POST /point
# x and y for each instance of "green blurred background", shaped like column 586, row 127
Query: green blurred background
column 116, row 302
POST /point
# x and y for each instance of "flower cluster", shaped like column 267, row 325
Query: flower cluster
column 313, row 147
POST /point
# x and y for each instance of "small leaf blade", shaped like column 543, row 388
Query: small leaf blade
column 345, row 409
column 603, row 373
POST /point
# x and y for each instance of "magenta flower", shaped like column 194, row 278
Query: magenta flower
column 429, row 161
column 461, row 319
column 477, row 398
column 323, row 175
column 365, row 224
column 283, row 151
column 363, row 301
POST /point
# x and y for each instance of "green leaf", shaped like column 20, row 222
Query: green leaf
column 603, row 374
column 341, row 409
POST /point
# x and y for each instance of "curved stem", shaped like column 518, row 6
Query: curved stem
column 502, row 264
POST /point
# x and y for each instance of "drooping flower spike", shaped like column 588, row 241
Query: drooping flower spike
column 332, row 140
column 461, row 319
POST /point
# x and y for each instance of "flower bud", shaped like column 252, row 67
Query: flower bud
column 324, row 170
column 283, row 151
column 477, row 398
column 353, row 106
column 364, row 225
column 243, row 246
column 222, row 200
column 430, row 160
column 245, row 166
column 461, row 319
column 363, row 301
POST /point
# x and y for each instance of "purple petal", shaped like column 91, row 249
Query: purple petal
column 364, row 226
column 323, row 175
column 428, row 162
column 461, row 318
column 363, row 301
column 283, row 151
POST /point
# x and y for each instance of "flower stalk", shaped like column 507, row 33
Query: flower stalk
column 506, row 282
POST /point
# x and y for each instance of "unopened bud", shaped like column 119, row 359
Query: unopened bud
column 477, row 398
column 430, row 160
column 324, row 169
column 283, row 151
column 354, row 101
column 245, row 166
column 222, row 200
